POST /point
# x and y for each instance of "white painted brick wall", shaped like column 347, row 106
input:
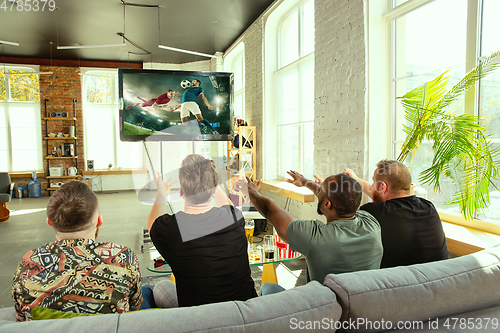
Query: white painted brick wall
column 340, row 81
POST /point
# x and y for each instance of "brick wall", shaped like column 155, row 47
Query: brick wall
column 60, row 88
column 254, row 84
column 340, row 81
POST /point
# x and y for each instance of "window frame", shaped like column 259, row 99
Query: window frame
column 472, row 96
column 114, row 104
column 8, row 103
column 237, row 54
column 273, row 36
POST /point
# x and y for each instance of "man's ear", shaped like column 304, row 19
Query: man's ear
column 181, row 192
column 328, row 204
column 99, row 220
column 49, row 223
column 383, row 187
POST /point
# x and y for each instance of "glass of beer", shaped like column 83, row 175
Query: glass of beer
column 269, row 247
column 249, row 227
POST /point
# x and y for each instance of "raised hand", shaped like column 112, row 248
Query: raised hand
column 162, row 189
column 243, row 185
column 350, row 173
column 318, row 179
column 298, row 179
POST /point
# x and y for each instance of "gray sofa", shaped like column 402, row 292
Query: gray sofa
column 455, row 295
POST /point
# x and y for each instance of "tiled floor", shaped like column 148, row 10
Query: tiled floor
column 124, row 218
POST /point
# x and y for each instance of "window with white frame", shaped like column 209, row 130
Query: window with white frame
column 293, row 89
column 102, row 128
column 238, row 68
column 431, row 39
column 20, row 123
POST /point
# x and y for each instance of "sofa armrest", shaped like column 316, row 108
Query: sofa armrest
column 8, row 314
column 419, row 292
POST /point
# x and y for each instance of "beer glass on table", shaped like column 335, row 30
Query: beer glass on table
column 269, row 247
column 249, row 228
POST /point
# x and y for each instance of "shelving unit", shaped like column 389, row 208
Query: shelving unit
column 242, row 160
column 57, row 140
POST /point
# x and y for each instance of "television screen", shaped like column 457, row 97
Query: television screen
column 161, row 105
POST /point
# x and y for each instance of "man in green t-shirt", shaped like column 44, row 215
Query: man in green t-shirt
column 349, row 241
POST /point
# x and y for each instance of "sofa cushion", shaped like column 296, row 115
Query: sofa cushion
column 91, row 324
column 418, row 292
column 41, row 313
column 8, row 314
column 270, row 313
column 483, row 321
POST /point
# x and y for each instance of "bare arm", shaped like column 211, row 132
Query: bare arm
column 206, row 101
column 278, row 217
column 159, row 206
column 365, row 186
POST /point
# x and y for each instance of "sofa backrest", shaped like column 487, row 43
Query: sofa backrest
column 418, row 292
column 311, row 305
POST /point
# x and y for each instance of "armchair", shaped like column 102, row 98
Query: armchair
column 4, row 196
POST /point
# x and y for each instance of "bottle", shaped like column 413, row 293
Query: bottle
column 34, row 187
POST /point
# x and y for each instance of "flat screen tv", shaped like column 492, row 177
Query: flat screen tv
column 163, row 105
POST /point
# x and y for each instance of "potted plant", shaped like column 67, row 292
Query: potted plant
column 460, row 146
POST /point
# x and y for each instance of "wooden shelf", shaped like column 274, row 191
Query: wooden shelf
column 114, row 172
column 59, row 138
column 64, row 161
column 61, row 177
column 244, row 157
column 242, row 149
column 288, row 190
column 59, row 158
column 56, row 118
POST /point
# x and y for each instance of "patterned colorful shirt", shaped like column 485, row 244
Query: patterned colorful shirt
column 77, row 275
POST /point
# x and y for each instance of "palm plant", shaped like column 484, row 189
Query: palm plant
column 462, row 151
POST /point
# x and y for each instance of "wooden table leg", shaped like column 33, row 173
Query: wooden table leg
column 269, row 273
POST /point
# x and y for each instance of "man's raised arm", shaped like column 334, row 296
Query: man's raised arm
column 278, row 217
column 365, row 186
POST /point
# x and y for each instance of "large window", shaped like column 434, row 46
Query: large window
column 236, row 65
column 20, row 123
column 102, row 134
column 294, row 90
column 435, row 37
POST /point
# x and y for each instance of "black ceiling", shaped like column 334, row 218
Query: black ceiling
column 205, row 26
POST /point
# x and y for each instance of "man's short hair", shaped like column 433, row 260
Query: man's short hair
column 395, row 174
column 198, row 178
column 344, row 192
column 72, row 207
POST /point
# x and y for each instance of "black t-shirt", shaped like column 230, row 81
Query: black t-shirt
column 412, row 232
column 207, row 253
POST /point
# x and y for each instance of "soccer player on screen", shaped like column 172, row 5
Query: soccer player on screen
column 189, row 104
column 159, row 101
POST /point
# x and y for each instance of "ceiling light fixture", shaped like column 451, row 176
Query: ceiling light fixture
column 175, row 48
column 72, row 47
column 28, row 73
column 186, row 51
column 9, row 43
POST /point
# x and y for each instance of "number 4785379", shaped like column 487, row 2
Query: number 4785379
column 27, row 5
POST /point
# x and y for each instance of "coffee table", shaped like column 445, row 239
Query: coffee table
column 268, row 270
